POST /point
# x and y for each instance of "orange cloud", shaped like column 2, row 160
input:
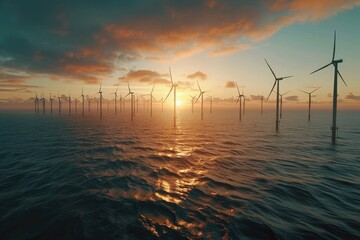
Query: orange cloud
column 229, row 50
column 145, row 76
column 230, row 84
column 81, row 69
column 197, row 75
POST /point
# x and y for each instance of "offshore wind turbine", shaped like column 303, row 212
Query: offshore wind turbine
column 69, row 105
column 173, row 86
column 262, row 104
column 89, row 104
column 115, row 93
column 201, row 94
column 83, row 101
column 192, row 103
column 281, row 102
column 309, row 93
column 211, row 101
column 59, row 99
column 36, row 102
column 239, row 100
column 132, row 101
column 277, row 82
column 43, row 103
column 336, row 73
column 51, row 104
column 151, row 98
column 100, row 92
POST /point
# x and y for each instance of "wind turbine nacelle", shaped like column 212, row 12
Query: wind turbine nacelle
column 338, row 61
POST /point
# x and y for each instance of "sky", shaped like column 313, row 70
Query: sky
column 62, row 47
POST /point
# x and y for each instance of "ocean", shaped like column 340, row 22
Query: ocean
column 71, row 177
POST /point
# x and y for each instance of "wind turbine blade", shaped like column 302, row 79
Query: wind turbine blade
column 198, row 85
column 126, row 95
column 333, row 57
column 303, row 91
column 169, row 93
column 100, row 87
column 321, row 68
column 82, row 91
column 287, row 77
column 238, row 99
column 237, row 88
column 128, row 87
column 116, row 89
column 271, row 90
column 171, row 76
column 155, row 99
column 152, row 89
column 198, row 98
column 285, row 93
column 270, row 69
column 341, row 78
column 316, row 90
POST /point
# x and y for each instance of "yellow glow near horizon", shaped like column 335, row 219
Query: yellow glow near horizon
column 178, row 102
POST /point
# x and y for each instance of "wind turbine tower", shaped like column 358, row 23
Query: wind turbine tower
column 309, row 93
column 201, row 94
column 173, row 86
column 277, row 82
column 336, row 73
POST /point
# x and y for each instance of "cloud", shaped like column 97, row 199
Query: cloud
column 145, row 76
column 230, row 84
column 351, row 96
column 292, row 98
column 229, row 50
column 256, row 97
column 60, row 39
column 197, row 75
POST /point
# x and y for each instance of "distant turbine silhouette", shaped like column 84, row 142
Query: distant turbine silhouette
column 192, row 103
column 262, row 103
column 89, row 104
column 59, row 99
column 36, row 102
column 173, row 86
column 83, row 101
column 336, row 73
column 201, row 94
column 115, row 93
column 151, row 99
column 239, row 100
column 51, row 103
column 43, row 103
column 211, row 102
column 309, row 93
column 277, row 82
column 69, row 105
column 76, row 105
column 132, row 101
column 100, row 92
column 281, row 102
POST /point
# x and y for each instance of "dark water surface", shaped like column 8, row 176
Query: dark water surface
column 82, row 178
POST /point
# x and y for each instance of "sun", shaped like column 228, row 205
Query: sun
column 178, row 102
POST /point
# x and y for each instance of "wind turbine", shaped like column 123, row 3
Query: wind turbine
column 59, row 99
column 51, row 103
column 83, row 101
column 100, row 92
column 262, row 103
column 309, row 93
column 115, row 93
column 336, row 73
column 132, row 101
column 76, row 106
column 211, row 101
column 239, row 100
column 173, row 86
column 69, row 105
column 43, row 103
column 151, row 98
column 201, row 94
column 36, row 102
column 89, row 104
column 192, row 103
column 277, row 82
column 281, row 102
